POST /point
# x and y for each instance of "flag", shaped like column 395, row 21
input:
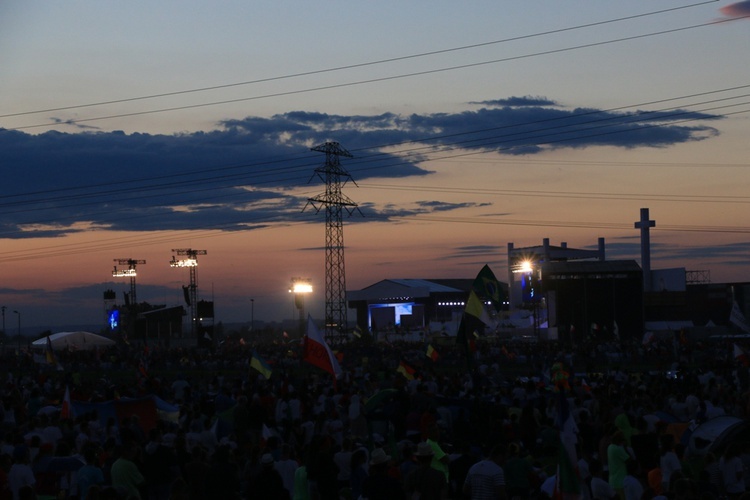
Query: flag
column 66, row 411
column 487, row 286
column 267, row 433
column 49, row 355
column 741, row 356
column 738, row 319
column 475, row 308
column 585, row 385
column 432, row 353
column 406, row 370
column 473, row 320
column 316, row 351
column 567, row 481
column 648, row 337
column 259, row 364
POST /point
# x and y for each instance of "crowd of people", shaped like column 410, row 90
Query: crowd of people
column 513, row 421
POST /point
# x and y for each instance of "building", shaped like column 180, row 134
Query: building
column 408, row 304
column 575, row 293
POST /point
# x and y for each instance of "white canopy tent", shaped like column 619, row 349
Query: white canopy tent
column 74, row 340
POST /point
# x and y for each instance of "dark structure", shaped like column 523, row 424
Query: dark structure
column 601, row 298
column 161, row 324
column 410, row 303
column 190, row 260
column 335, row 202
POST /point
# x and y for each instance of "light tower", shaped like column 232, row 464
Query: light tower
column 190, row 261
column 131, row 273
column 335, row 203
column 300, row 288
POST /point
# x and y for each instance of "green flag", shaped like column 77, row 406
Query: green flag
column 487, row 287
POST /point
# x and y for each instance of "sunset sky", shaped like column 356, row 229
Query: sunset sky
column 129, row 129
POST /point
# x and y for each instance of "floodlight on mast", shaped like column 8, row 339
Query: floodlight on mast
column 190, row 261
column 130, row 272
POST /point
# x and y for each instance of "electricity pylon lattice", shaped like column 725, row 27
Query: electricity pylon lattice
column 334, row 202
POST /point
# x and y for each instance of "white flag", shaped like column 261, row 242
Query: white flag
column 738, row 319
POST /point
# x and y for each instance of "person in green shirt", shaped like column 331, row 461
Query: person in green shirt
column 125, row 473
column 518, row 470
column 617, row 460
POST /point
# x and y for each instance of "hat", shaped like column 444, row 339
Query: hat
column 379, row 456
column 266, row 459
column 424, row 450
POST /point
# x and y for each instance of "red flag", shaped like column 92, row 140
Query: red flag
column 406, row 370
column 316, row 351
column 432, row 353
column 741, row 356
column 66, row 411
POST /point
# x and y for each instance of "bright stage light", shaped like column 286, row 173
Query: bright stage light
column 301, row 287
column 183, row 263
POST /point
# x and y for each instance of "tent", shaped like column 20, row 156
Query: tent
column 715, row 434
column 73, row 340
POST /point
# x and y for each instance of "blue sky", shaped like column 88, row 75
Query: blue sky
column 131, row 129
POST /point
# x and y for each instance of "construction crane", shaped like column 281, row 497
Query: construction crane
column 131, row 273
column 190, row 261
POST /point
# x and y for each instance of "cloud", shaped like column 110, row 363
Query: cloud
column 249, row 172
column 72, row 122
column 518, row 101
column 738, row 9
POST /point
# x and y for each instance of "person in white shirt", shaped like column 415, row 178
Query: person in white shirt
column 486, row 479
column 20, row 473
column 669, row 462
column 631, row 485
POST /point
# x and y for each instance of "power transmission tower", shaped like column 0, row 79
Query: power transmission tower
column 191, row 292
column 335, row 202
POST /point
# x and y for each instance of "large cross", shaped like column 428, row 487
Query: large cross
column 644, row 224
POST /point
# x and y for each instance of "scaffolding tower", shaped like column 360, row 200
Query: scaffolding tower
column 189, row 260
column 335, row 202
column 131, row 273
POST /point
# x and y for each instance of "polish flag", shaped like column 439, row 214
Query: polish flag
column 741, row 356
column 316, row 351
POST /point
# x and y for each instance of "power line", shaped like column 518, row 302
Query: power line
column 187, row 177
column 357, row 65
column 265, row 220
column 78, row 216
column 379, row 79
